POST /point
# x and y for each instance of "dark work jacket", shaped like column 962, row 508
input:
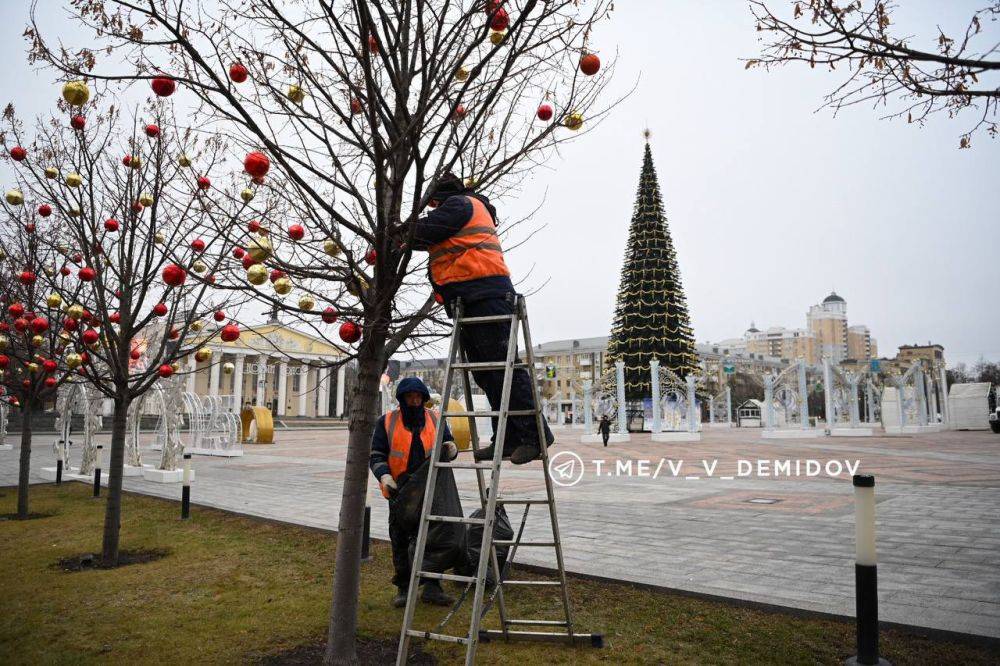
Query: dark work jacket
column 441, row 224
column 604, row 426
column 378, row 461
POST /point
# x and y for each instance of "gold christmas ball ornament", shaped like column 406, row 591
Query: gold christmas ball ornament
column 74, row 179
column 202, row 355
column 331, row 248
column 51, row 173
column 199, row 267
column 4, row 342
column 3, row 255
column 14, row 197
column 158, row 238
column 307, row 303
column 134, row 161
column 260, row 249
column 53, row 300
column 296, row 94
column 49, row 271
column 184, row 161
column 73, row 361
column 75, row 311
column 496, row 36
column 573, row 121
column 76, row 93
column 257, row 274
column 246, row 195
column 62, row 248
column 461, row 74
column 74, row 211
column 37, row 341
column 197, row 325
column 471, row 182
column 228, row 368
column 282, row 286
column 146, row 199
column 32, row 367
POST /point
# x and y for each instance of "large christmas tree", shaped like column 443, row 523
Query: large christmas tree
column 651, row 316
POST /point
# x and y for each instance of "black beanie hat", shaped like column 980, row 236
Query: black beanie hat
column 448, row 185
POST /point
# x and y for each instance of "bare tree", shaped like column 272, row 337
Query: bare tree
column 362, row 107
column 138, row 266
column 886, row 69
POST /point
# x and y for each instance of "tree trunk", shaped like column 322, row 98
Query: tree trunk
column 340, row 644
column 113, row 511
column 24, row 469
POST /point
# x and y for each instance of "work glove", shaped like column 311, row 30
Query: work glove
column 450, row 451
column 388, row 482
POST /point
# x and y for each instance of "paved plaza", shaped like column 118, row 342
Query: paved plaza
column 783, row 539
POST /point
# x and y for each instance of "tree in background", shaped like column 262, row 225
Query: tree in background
column 33, row 363
column 884, row 69
column 651, row 316
column 131, row 219
column 362, row 107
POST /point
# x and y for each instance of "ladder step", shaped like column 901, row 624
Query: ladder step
column 501, row 500
column 437, row 637
column 540, row 583
column 457, row 519
column 537, row 544
column 487, row 365
column 465, row 465
column 540, row 623
column 510, row 412
column 452, row 577
column 486, row 320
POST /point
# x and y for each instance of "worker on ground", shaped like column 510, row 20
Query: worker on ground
column 402, row 441
column 466, row 262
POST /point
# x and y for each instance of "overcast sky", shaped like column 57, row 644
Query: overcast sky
column 771, row 204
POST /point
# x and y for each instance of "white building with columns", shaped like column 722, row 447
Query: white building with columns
column 275, row 366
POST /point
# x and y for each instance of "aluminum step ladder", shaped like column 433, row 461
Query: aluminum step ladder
column 562, row 627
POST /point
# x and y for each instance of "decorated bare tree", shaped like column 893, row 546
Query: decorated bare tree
column 32, row 363
column 132, row 209
column 882, row 68
column 360, row 108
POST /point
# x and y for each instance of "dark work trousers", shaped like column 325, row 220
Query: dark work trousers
column 399, row 539
column 604, row 435
column 488, row 342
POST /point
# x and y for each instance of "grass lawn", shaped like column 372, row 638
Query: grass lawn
column 236, row 589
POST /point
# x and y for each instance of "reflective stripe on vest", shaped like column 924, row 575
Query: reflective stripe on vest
column 473, row 252
column 400, row 440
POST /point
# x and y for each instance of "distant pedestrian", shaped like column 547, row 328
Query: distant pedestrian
column 604, row 427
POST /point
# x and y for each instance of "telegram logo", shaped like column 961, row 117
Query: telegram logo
column 566, row 468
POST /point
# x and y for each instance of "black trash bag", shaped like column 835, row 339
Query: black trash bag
column 444, row 540
column 502, row 531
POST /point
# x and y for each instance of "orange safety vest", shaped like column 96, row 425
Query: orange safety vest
column 473, row 252
column 400, row 440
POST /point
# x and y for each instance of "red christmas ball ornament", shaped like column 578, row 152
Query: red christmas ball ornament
column 253, row 226
column 372, row 44
column 219, row 315
column 256, row 164
column 590, row 64
column 135, row 354
column 211, row 278
column 198, row 245
column 4, row 327
column 276, row 275
column 128, row 160
column 238, row 73
column 163, row 86
column 438, row 298
column 64, row 271
column 356, row 107
column 204, row 183
column 350, row 332
column 296, row 232
column 115, row 317
column 118, row 293
column 77, row 257
column 27, row 277
column 39, row 325
column 459, row 112
column 230, row 333
column 174, row 333
column 21, row 324
column 173, row 275
column 85, row 357
column 86, row 274
column 165, row 370
column 152, row 130
column 493, row 5
column 248, row 261
column 70, row 324
column 329, row 315
column 137, row 206
column 370, row 257
column 77, row 122
column 17, row 153
column 16, row 310
column 239, row 252
column 4, row 361
column 160, row 309
column 544, row 112
column 111, row 225
column 90, row 336
column 29, row 228
column 45, row 210
column 500, row 19
column 49, row 365
column 26, row 384
column 50, row 382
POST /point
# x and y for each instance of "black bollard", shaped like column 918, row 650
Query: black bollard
column 97, row 475
column 366, row 535
column 59, row 471
column 186, row 490
column 865, row 573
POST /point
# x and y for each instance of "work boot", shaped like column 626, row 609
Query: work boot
column 486, row 454
column 399, row 601
column 524, row 454
column 433, row 594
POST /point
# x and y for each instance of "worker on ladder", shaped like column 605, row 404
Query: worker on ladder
column 466, row 262
column 402, row 441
